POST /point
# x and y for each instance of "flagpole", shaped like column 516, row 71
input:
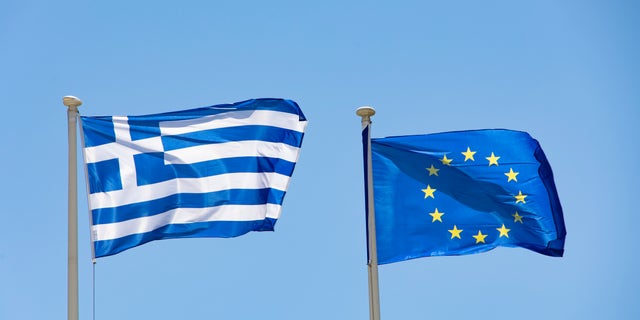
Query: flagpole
column 72, row 104
column 372, row 265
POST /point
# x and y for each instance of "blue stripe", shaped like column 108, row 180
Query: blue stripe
column 150, row 167
column 214, row 229
column 242, row 133
column 99, row 130
column 187, row 200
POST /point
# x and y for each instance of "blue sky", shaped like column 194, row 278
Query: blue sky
column 567, row 72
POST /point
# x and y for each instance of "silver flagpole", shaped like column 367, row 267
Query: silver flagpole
column 72, row 104
column 374, row 296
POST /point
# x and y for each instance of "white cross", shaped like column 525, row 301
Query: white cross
column 123, row 149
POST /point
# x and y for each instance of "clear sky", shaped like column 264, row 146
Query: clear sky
column 567, row 72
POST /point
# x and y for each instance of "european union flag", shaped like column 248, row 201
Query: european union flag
column 463, row 192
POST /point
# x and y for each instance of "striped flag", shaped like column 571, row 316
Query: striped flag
column 218, row 171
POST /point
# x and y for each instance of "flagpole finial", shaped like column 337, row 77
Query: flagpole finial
column 365, row 112
column 71, row 101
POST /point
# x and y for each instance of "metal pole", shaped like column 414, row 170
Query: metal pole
column 374, row 295
column 72, row 104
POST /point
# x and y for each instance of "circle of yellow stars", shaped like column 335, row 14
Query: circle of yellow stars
column 493, row 160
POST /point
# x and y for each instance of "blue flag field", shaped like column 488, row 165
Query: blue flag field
column 463, row 192
column 218, row 171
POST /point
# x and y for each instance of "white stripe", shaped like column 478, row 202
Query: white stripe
column 244, row 180
column 184, row 216
column 253, row 148
column 234, row 119
column 122, row 148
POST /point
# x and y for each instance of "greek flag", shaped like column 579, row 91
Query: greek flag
column 218, row 171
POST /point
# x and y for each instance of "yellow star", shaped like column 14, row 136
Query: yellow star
column 512, row 175
column 480, row 237
column 445, row 161
column 517, row 217
column 493, row 159
column 455, row 232
column 436, row 215
column 504, row 232
column 428, row 192
column 433, row 171
column 520, row 197
column 468, row 154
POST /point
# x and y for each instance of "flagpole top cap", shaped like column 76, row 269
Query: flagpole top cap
column 365, row 112
column 71, row 101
